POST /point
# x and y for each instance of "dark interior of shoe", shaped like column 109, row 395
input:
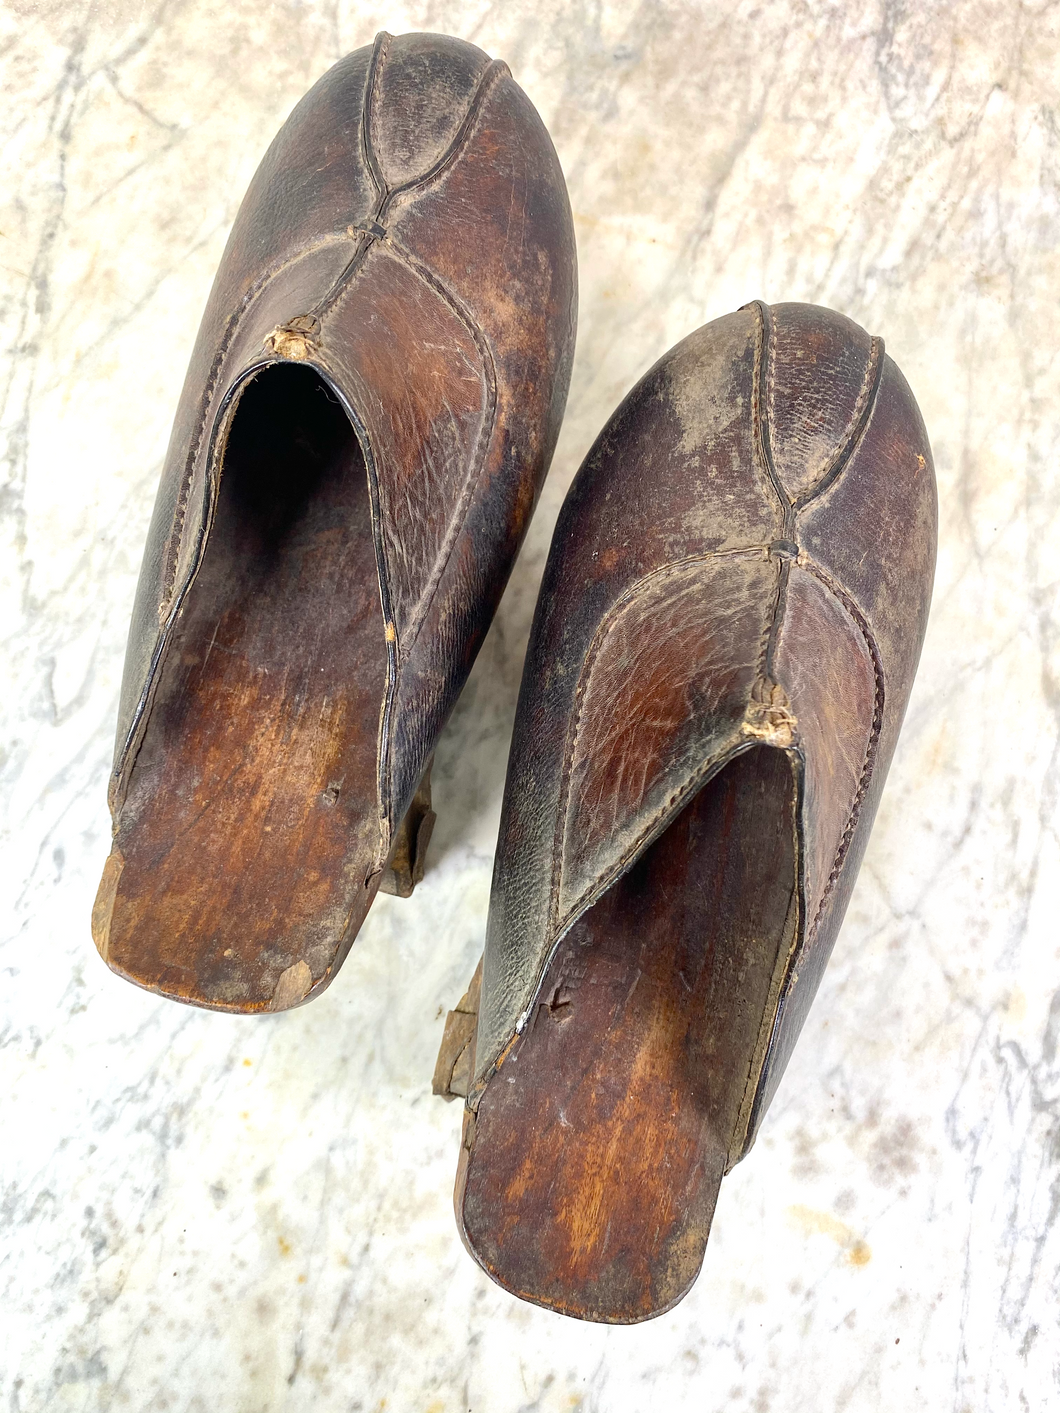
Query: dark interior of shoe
column 601, row 1141
column 251, row 815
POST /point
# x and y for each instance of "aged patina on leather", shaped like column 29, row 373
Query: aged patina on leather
column 371, row 407
column 727, row 632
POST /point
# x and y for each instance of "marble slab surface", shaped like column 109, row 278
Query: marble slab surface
column 216, row 1215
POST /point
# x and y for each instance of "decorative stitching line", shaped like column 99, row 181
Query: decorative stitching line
column 760, row 423
column 380, row 53
column 458, row 517
column 604, row 627
column 387, row 194
column 764, row 451
column 848, row 444
column 770, row 419
column 478, row 457
column 855, row 430
column 493, row 71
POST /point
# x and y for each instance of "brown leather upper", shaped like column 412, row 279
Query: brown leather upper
column 745, row 557
column 407, row 235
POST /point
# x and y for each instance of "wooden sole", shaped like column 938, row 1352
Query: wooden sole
column 244, row 851
column 590, row 1172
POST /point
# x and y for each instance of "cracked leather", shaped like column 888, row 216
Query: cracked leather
column 745, row 557
column 407, row 235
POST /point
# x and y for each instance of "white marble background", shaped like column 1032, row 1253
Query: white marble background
column 216, row 1215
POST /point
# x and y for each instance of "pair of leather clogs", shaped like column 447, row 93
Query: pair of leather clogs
column 724, row 644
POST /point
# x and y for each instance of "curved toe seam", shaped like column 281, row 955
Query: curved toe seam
column 854, row 434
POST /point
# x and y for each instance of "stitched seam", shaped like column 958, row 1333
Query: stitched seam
column 762, row 665
column 371, row 162
column 141, row 713
column 871, row 747
column 855, row 430
column 604, row 628
column 760, row 422
column 380, row 53
column 387, row 195
column 756, row 389
column 478, row 458
column 490, row 74
column 763, row 443
column 193, row 456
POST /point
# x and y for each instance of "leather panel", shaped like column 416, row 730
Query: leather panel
column 818, row 381
column 665, row 689
column 417, row 380
column 422, row 93
column 824, row 665
column 485, row 230
column 873, row 535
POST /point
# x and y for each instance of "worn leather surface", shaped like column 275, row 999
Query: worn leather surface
column 745, row 557
column 635, row 748
column 407, row 235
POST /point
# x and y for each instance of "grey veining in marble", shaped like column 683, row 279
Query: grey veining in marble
column 202, row 1213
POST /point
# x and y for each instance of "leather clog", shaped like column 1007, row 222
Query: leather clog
column 371, row 406
column 727, row 632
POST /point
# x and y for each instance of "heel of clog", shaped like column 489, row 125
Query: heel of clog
column 404, row 868
column 452, row 1073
